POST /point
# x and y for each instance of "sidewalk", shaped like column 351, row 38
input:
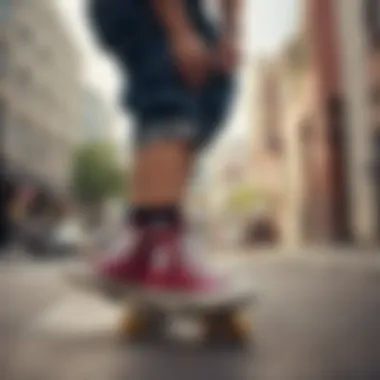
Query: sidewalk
column 77, row 316
column 83, row 315
column 311, row 254
column 316, row 318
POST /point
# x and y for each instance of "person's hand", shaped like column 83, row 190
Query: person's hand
column 192, row 58
column 227, row 54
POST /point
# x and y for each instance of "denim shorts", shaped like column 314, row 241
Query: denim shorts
column 154, row 93
column 196, row 118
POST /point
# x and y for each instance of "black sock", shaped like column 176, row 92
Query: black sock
column 151, row 216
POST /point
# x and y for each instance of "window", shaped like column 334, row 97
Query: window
column 375, row 95
column 26, row 142
column 46, row 54
column 18, row 138
column 39, row 146
column 5, row 9
column 23, row 77
column 273, row 141
column 3, row 132
column 3, row 58
column 372, row 14
column 43, row 95
column 24, row 136
column 24, row 35
column 307, row 132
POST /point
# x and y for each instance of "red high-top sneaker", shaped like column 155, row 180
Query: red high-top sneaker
column 127, row 260
column 177, row 274
column 120, row 269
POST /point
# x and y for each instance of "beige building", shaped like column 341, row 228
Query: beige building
column 334, row 128
column 303, row 154
column 351, row 33
column 102, row 121
column 287, row 167
column 268, row 141
column 40, row 95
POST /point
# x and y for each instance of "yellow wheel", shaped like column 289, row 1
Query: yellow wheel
column 138, row 325
column 133, row 324
column 227, row 328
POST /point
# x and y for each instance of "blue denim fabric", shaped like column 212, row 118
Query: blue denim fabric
column 154, row 91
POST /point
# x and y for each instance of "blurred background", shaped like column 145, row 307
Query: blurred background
column 296, row 172
column 298, row 164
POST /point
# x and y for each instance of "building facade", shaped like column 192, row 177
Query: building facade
column 325, row 59
column 272, row 163
column 341, row 50
column 372, row 14
column 40, row 96
column 96, row 117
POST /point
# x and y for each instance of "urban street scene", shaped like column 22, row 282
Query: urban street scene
column 248, row 128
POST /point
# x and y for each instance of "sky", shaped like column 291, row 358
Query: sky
column 266, row 24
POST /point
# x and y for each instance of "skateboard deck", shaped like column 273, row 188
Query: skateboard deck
column 149, row 314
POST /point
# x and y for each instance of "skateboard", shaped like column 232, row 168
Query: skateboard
column 213, row 325
column 223, row 318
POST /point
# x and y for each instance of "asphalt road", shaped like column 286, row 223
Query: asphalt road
column 318, row 319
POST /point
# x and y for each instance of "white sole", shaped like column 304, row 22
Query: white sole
column 229, row 299
column 86, row 280
column 236, row 295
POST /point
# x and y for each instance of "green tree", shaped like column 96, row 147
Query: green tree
column 96, row 174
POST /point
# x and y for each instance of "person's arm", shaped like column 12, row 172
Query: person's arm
column 187, row 48
column 227, row 53
column 231, row 13
column 173, row 17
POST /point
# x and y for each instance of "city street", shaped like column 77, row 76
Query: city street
column 318, row 318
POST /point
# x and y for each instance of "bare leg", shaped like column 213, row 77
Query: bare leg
column 160, row 173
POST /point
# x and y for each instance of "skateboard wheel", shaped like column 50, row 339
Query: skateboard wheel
column 132, row 324
column 138, row 325
column 226, row 328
